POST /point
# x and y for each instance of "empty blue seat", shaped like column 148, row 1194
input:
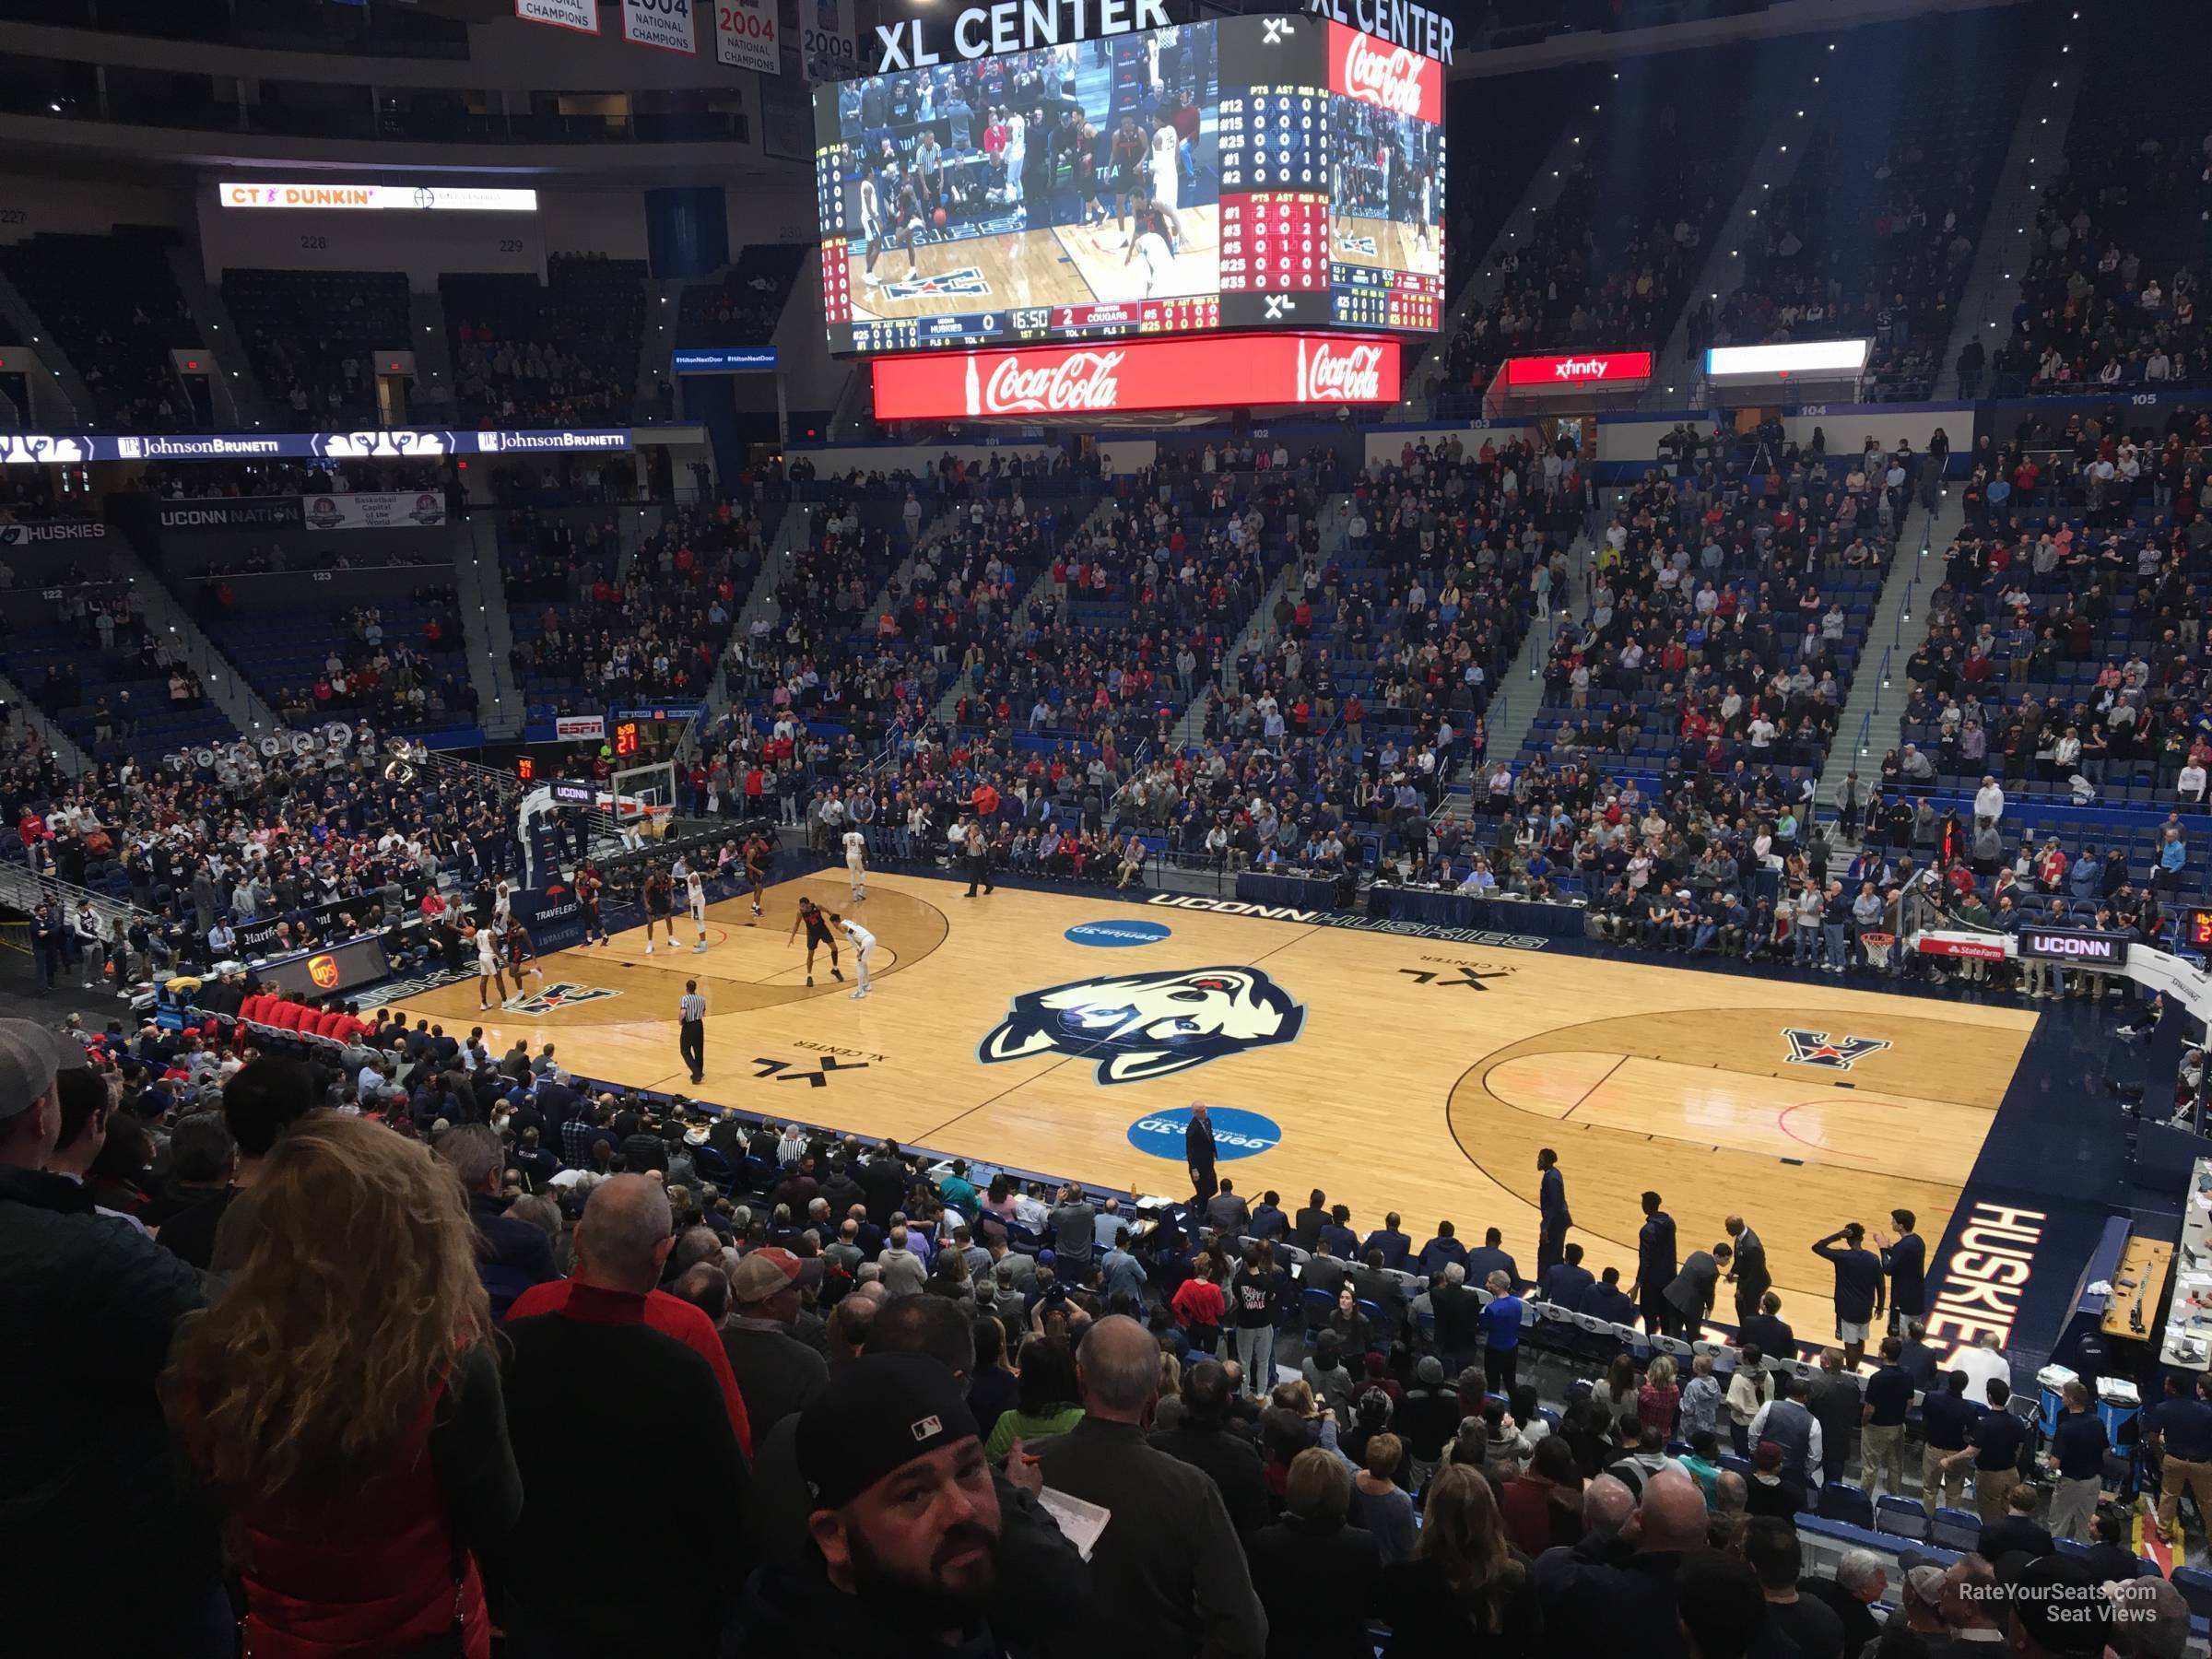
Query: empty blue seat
column 1956, row 1529
column 1900, row 1516
column 1841, row 1500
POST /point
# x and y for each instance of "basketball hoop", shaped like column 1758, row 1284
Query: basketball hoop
column 1877, row 946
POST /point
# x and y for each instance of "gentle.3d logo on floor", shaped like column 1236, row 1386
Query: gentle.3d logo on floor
column 1138, row 1027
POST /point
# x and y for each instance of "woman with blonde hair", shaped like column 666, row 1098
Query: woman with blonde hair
column 1659, row 1396
column 343, row 1403
column 1465, row 1579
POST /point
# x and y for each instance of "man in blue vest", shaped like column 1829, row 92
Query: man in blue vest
column 1790, row 1424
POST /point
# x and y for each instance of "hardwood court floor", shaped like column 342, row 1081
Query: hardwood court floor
column 1065, row 264
column 1404, row 1073
column 1396, row 246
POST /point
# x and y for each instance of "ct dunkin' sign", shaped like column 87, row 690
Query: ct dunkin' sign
column 1044, row 382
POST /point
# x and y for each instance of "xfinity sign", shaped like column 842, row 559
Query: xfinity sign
column 1598, row 369
column 1015, row 26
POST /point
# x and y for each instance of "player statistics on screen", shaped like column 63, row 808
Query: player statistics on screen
column 1247, row 173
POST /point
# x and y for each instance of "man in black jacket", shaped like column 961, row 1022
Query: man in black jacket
column 1204, row 1440
column 87, row 1465
column 1168, row 1562
column 579, row 1382
column 883, row 1179
column 513, row 1256
column 777, row 1373
column 1305, row 1230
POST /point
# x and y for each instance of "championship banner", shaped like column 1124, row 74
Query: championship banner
column 828, row 44
column 664, row 25
column 53, row 530
column 582, row 16
column 1212, row 373
column 746, row 37
column 246, row 512
column 393, row 510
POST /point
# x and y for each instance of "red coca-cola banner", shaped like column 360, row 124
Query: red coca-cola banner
column 1046, row 383
column 1395, row 78
column 1586, row 368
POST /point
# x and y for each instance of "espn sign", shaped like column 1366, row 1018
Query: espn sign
column 1136, row 377
column 1396, row 79
column 1571, row 372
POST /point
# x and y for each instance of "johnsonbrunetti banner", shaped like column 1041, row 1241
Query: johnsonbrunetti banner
column 384, row 444
column 1216, row 373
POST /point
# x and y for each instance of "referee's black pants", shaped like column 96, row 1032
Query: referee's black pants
column 691, row 1042
column 979, row 869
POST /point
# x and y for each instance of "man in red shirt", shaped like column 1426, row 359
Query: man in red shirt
column 621, row 1242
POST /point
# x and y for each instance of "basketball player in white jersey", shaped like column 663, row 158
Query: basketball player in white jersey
column 1166, row 181
column 857, row 863
column 1153, row 234
column 695, row 899
column 871, row 218
column 503, row 907
column 864, row 948
column 488, row 963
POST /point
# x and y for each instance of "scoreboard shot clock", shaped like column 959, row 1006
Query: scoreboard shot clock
column 626, row 738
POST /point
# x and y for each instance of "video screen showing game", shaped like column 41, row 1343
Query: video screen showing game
column 1067, row 193
column 1386, row 184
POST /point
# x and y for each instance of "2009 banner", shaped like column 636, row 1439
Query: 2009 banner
column 745, row 35
column 395, row 509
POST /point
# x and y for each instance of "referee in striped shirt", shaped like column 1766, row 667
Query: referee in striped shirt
column 691, row 1036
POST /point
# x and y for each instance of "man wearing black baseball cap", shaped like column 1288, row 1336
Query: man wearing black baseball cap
column 905, row 1520
column 87, row 1470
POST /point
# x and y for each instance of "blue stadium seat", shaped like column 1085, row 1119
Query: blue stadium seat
column 1739, row 1466
column 2196, row 1585
column 1900, row 1516
column 1956, row 1529
column 1841, row 1500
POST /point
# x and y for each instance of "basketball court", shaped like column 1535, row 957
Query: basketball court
column 1068, row 1033
column 1059, row 265
column 1382, row 244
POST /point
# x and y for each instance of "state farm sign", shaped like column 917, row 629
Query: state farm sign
column 1137, row 377
column 1397, row 78
column 1595, row 368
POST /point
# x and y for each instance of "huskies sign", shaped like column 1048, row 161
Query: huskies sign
column 1140, row 1027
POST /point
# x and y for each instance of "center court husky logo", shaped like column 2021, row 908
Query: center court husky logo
column 1813, row 1048
column 1139, row 1026
column 966, row 280
column 563, row 994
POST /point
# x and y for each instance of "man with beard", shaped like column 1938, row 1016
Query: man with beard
column 904, row 1523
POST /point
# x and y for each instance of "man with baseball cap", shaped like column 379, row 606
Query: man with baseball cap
column 905, row 1520
column 86, row 1463
column 777, row 1373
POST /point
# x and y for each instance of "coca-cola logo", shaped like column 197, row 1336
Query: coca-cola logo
column 1391, row 79
column 1079, row 382
column 1351, row 376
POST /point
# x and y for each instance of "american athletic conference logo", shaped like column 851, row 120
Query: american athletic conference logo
column 1139, row 1026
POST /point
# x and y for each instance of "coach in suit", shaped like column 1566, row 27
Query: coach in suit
column 1551, row 1204
column 1749, row 1272
column 1198, row 1152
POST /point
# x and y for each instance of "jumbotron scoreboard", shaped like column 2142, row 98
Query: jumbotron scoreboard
column 1254, row 172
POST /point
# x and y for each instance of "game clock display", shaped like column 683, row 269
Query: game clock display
column 1246, row 173
column 2196, row 928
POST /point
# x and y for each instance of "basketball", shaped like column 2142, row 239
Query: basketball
column 937, row 218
